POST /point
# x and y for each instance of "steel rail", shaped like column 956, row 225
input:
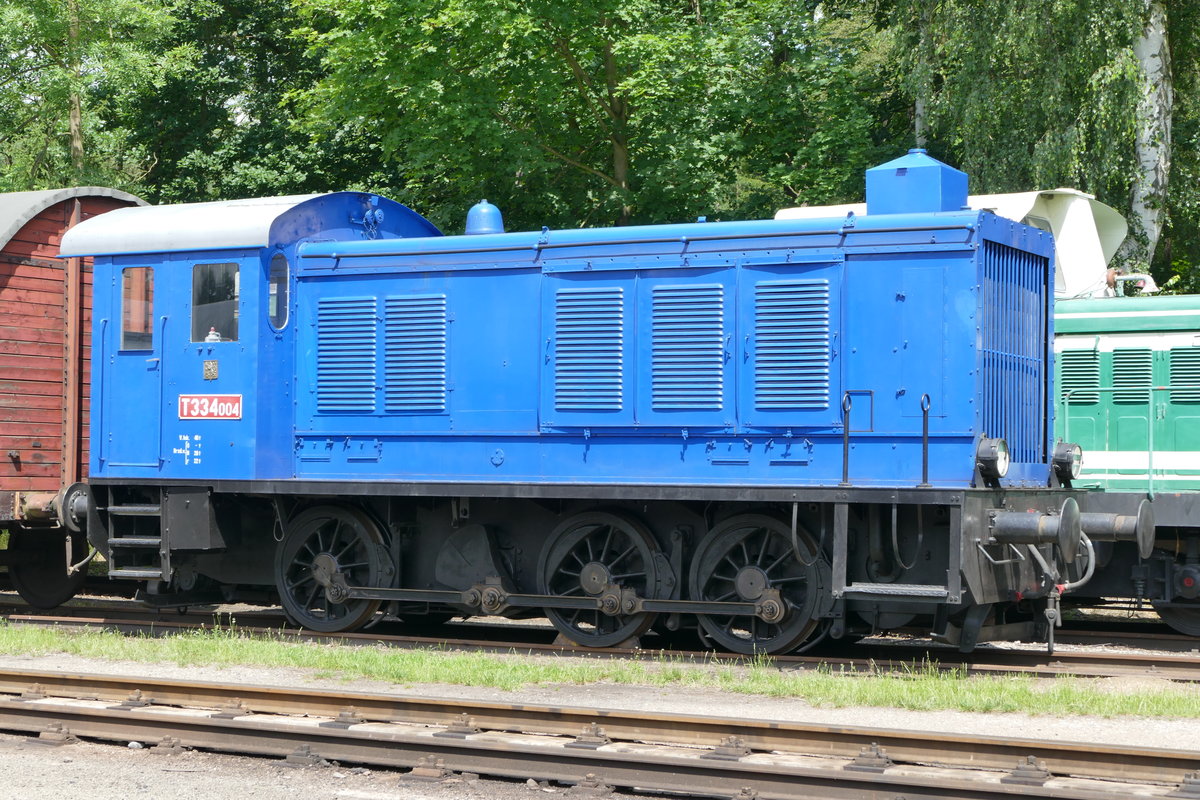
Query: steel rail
column 20, row 689
column 434, row 753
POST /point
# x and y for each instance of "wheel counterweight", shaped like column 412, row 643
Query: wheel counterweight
column 318, row 545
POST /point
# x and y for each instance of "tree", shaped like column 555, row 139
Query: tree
column 58, row 58
column 554, row 107
column 226, row 127
column 1070, row 93
column 616, row 111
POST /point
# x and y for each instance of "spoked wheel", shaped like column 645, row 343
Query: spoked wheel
column 320, row 543
column 742, row 560
column 1183, row 618
column 39, row 565
column 595, row 555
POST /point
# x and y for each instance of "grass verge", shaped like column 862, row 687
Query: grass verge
column 924, row 688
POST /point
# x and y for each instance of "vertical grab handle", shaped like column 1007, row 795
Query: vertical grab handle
column 925, row 404
column 846, row 405
column 162, row 390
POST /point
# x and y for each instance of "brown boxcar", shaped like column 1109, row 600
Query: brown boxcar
column 45, row 307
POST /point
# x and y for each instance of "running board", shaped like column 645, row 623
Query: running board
column 924, row 591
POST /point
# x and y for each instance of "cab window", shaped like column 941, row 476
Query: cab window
column 277, row 291
column 215, row 303
column 137, row 308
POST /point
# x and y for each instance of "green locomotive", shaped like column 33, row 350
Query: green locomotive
column 1128, row 377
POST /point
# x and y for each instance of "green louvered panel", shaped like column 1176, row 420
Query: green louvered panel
column 1133, row 375
column 1080, row 372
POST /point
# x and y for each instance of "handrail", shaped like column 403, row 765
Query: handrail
column 1065, row 401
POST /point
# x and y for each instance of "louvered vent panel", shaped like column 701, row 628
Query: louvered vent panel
column 588, row 349
column 1013, row 338
column 1185, row 372
column 415, row 353
column 791, row 357
column 346, row 354
column 1132, row 375
column 688, row 347
column 1080, row 371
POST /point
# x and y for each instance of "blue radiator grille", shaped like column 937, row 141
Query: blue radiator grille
column 1013, row 340
column 415, row 353
column 791, row 356
column 589, row 349
column 346, row 354
column 688, row 347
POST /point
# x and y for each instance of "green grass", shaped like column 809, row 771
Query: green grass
column 924, row 688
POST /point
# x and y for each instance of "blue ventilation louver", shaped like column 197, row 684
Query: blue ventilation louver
column 791, row 356
column 589, row 349
column 346, row 355
column 688, row 347
column 415, row 353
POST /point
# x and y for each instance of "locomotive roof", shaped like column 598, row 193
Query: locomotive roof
column 1142, row 314
column 17, row 208
column 1088, row 232
column 185, row 226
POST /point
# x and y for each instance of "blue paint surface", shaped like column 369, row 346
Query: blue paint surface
column 707, row 354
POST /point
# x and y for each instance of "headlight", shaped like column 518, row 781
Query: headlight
column 992, row 458
column 1068, row 461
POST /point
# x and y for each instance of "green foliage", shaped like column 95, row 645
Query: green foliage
column 571, row 113
column 223, row 128
column 1039, row 96
column 56, row 53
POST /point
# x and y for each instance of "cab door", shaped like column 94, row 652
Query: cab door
column 132, row 378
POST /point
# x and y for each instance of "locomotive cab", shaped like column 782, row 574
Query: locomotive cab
column 195, row 338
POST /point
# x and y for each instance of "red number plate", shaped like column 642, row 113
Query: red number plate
column 210, row 406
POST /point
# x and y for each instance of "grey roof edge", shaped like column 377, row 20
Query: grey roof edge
column 181, row 226
column 18, row 208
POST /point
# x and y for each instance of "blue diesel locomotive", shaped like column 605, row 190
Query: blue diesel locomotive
column 773, row 430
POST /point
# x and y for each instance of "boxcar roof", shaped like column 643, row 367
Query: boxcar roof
column 17, row 208
column 187, row 226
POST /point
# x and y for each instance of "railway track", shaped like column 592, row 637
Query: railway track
column 694, row 755
column 896, row 655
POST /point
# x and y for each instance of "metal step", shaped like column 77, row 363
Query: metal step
column 135, row 541
column 897, row 590
column 140, row 573
column 134, row 511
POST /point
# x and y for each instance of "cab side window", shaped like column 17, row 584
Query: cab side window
column 277, row 291
column 215, row 302
column 137, row 308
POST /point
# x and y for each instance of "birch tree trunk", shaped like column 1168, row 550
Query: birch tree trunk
column 75, row 113
column 1153, row 143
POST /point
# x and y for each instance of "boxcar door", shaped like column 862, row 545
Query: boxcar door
column 131, row 377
